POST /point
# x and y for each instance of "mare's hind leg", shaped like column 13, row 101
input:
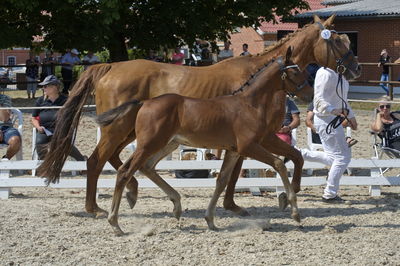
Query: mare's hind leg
column 258, row 152
column 148, row 170
column 223, row 178
column 95, row 165
column 234, row 171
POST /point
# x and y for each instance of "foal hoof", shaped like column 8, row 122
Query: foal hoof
column 131, row 199
column 283, row 201
column 211, row 225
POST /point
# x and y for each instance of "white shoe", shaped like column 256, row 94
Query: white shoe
column 4, row 159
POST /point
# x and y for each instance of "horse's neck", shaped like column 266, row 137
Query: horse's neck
column 263, row 86
column 302, row 54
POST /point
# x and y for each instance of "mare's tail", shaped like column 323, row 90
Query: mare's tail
column 67, row 122
column 106, row 118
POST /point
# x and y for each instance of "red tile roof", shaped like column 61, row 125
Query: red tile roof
column 269, row 27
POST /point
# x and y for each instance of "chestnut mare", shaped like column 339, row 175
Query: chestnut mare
column 236, row 123
column 118, row 83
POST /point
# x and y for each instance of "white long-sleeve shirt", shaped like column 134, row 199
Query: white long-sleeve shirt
column 325, row 95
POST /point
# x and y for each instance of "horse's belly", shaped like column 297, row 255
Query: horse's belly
column 206, row 141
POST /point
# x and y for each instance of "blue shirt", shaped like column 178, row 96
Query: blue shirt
column 68, row 58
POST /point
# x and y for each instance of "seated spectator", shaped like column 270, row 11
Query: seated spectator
column 8, row 134
column 178, row 57
column 226, row 52
column 44, row 119
column 90, row 59
column 245, row 48
column 291, row 121
column 387, row 123
column 315, row 136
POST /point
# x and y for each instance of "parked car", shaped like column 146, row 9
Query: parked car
column 4, row 77
column 12, row 75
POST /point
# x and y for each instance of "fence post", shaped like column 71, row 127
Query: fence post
column 390, row 86
column 4, row 191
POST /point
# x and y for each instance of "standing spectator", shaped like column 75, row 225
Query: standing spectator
column 8, row 134
column 32, row 74
column 383, row 59
column 290, row 122
column 68, row 60
column 178, row 57
column 245, row 48
column 44, row 119
column 48, row 65
column 90, row 59
column 151, row 55
column 226, row 52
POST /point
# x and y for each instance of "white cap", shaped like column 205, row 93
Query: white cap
column 74, row 51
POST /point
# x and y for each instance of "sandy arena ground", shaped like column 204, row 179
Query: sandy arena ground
column 44, row 226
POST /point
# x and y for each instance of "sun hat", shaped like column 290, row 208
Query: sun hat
column 50, row 79
column 74, row 51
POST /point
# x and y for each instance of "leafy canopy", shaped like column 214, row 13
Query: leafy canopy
column 116, row 24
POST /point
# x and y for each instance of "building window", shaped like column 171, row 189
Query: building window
column 353, row 36
column 11, row 60
column 282, row 33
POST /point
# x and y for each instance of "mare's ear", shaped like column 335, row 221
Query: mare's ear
column 329, row 21
column 316, row 18
column 289, row 52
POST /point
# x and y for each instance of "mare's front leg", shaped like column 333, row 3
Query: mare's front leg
column 225, row 175
column 233, row 169
column 258, row 152
column 277, row 146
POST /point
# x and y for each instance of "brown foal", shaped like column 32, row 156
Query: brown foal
column 117, row 83
column 237, row 123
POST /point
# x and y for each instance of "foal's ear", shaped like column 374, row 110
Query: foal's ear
column 289, row 52
column 329, row 21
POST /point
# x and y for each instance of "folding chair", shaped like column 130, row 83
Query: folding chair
column 17, row 121
column 318, row 146
column 381, row 150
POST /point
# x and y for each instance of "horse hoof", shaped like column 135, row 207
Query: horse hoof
column 177, row 211
column 283, row 201
column 131, row 199
column 118, row 231
column 211, row 225
column 296, row 217
column 100, row 214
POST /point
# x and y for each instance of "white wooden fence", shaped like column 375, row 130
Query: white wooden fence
column 374, row 181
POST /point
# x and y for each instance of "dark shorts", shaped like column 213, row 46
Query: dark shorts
column 8, row 133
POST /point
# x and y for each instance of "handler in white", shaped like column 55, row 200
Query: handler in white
column 328, row 105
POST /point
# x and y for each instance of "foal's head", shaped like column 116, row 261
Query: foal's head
column 333, row 50
column 294, row 81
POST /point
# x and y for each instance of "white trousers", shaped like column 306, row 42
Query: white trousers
column 336, row 153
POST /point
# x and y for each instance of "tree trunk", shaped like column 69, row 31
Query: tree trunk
column 117, row 48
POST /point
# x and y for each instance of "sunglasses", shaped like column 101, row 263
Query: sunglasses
column 384, row 105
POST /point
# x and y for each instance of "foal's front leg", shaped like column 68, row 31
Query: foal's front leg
column 277, row 146
column 258, row 152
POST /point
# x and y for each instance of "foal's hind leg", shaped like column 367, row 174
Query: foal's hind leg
column 148, row 170
column 125, row 173
column 225, row 175
column 259, row 153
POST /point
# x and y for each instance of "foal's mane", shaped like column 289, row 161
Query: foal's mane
column 254, row 76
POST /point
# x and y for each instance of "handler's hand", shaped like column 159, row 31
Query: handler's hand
column 342, row 112
column 353, row 123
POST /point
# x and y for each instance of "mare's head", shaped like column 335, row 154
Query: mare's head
column 333, row 50
column 294, row 81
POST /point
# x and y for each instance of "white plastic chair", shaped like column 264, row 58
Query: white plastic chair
column 17, row 121
column 318, row 146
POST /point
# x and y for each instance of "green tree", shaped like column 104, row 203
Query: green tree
column 118, row 24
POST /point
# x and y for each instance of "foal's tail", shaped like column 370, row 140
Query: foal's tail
column 106, row 118
column 67, row 122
